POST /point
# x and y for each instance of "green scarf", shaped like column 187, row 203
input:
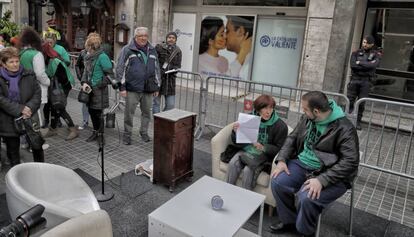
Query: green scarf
column 263, row 137
column 314, row 131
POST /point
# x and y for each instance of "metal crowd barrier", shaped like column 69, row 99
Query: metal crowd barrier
column 387, row 144
column 189, row 89
column 226, row 97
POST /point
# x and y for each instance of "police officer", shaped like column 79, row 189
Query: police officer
column 363, row 62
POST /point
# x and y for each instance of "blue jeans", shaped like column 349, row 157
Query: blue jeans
column 169, row 103
column 85, row 114
column 284, row 188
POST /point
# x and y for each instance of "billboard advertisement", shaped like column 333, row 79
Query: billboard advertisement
column 225, row 48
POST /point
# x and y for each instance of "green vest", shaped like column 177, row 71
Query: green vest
column 62, row 53
column 52, row 67
column 26, row 58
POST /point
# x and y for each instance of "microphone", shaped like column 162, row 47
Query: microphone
column 114, row 83
column 172, row 71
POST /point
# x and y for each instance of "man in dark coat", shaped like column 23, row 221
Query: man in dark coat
column 318, row 163
column 364, row 63
column 169, row 57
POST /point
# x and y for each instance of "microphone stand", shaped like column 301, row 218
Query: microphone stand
column 102, row 197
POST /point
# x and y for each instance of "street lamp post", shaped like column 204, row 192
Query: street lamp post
column 85, row 8
column 50, row 8
column 35, row 13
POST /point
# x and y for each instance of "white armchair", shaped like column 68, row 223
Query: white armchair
column 92, row 224
column 219, row 169
column 60, row 190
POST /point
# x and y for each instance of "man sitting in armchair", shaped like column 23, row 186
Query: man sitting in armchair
column 318, row 161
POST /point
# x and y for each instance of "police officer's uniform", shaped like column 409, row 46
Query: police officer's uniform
column 362, row 75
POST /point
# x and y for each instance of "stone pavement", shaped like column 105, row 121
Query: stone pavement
column 378, row 193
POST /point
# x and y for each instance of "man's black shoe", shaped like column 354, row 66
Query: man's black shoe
column 358, row 126
column 145, row 137
column 126, row 139
column 280, row 227
column 312, row 235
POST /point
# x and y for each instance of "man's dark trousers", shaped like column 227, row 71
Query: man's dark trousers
column 284, row 188
column 358, row 88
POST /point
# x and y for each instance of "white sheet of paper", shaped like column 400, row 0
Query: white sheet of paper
column 249, row 128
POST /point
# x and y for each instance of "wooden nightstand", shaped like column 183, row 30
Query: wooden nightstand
column 173, row 146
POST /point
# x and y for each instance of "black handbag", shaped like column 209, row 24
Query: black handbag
column 57, row 95
column 34, row 138
column 230, row 151
column 19, row 125
column 83, row 97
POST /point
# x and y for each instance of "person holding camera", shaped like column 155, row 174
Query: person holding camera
column 20, row 96
column 98, row 66
column 364, row 63
column 139, row 73
column 59, row 74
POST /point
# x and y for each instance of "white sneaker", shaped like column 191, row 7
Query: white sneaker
column 45, row 146
column 81, row 127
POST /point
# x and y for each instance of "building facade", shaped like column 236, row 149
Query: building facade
column 294, row 43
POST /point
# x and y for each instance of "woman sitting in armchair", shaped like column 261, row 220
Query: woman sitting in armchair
column 251, row 158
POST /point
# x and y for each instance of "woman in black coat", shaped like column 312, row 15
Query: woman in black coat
column 252, row 158
column 20, row 96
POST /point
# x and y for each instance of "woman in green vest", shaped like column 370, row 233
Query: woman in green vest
column 51, row 39
column 31, row 58
column 57, row 70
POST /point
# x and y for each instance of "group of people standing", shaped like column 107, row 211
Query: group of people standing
column 32, row 72
column 141, row 69
column 26, row 76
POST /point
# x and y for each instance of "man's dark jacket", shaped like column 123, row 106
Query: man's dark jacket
column 337, row 150
column 137, row 71
column 369, row 60
column 30, row 95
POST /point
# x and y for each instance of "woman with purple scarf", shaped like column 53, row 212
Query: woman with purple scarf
column 20, row 96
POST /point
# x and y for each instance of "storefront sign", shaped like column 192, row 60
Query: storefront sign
column 278, row 50
column 281, row 42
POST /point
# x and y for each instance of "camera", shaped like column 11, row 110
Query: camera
column 114, row 83
column 26, row 224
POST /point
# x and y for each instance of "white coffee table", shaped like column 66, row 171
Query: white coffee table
column 189, row 213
